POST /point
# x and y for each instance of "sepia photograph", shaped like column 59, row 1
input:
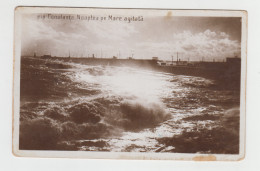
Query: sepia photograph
column 129, row 83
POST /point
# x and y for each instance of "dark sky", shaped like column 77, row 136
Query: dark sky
column 193, row 38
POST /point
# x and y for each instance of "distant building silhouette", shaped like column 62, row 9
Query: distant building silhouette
column 46, row 56
column 155, row 58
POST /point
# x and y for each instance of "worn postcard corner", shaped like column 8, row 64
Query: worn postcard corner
column 129, row 83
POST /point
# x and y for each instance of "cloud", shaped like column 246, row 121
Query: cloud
column 78, row 37
column 189, row 47
column 207, row 44
column 153, row 37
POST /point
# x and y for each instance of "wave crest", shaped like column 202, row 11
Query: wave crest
column 134, row 116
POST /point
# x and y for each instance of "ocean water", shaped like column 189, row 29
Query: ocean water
column 70, row 106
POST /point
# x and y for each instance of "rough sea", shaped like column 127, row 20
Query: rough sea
column 71, row 106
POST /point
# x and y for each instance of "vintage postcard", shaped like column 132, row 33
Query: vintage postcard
column 129, row 83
